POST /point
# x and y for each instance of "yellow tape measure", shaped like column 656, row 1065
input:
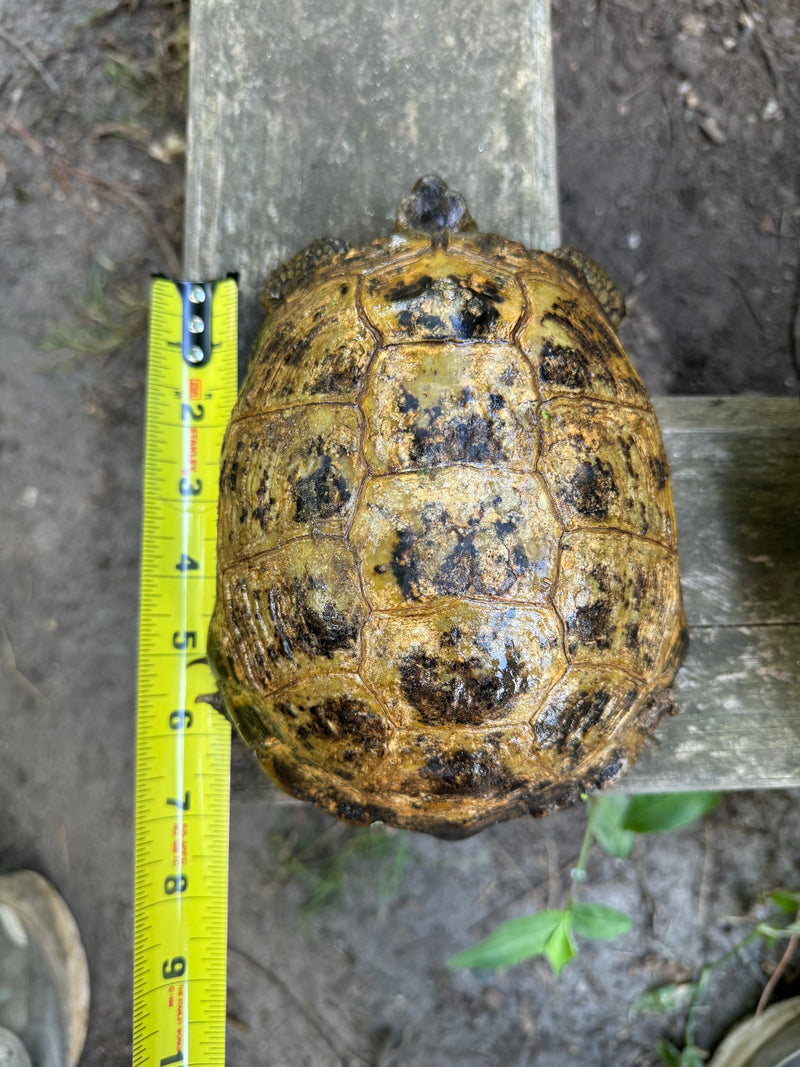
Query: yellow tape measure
column 183, row 747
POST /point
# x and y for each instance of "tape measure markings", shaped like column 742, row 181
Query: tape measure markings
column 183, row 747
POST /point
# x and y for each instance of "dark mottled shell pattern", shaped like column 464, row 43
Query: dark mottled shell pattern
column 448, row 576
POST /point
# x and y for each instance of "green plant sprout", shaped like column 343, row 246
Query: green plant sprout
column 110, row 316
column 613, row 821
column 325, row 866
column 784, row 923
column 155, row 73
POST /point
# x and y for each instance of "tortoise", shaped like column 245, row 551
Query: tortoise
column 448, row 587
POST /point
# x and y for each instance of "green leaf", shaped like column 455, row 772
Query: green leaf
column 768, row 930
column 608, row 813
column 692, row 1056
column 560, row 947
column 664, row 998
column 673, row 1057
column 788, row 900
column 511, row 942
column 656, row 812
column 598, row 921
column 668, row 1054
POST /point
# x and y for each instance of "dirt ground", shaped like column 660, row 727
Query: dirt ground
column 678, row 150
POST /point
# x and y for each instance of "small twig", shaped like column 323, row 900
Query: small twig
column 774, row 978
column 125, row 197
column 32, row 142
column 773, row 78
column 136, row 134
column 742, row 293
column 24, row 51
column 300, row 1005
column 510, row 862
column 765, row 52
column 113, row 191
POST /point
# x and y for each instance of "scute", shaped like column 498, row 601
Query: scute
column 462, row 663
column 448, row 588
column 340, row 730
column 455, row 531
column 315, row 347
column 573, row 349
column 605, row 467
column 291, row 610
column 613, row 595
column 585, row 708
column 433, row 405
column 442, row 296
column 288, row 474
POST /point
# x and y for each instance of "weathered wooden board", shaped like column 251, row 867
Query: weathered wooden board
column 736, row 479
column 309, row 119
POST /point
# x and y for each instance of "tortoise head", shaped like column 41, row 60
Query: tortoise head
column 433, row 209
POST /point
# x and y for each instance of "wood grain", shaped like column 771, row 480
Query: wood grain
column 310, row 120
column 736, row 481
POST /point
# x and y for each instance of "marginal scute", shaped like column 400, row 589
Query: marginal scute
column 600, row 285
column 300, row 269
column 245, row 704
column 494, row 248
column 462, row 772
column 486, row 765
column 448, row 587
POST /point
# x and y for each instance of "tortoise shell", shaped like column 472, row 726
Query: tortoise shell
column 448, row 584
